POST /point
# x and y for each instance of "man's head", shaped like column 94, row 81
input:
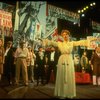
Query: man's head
column 40, row 48
column 52, row 48
column 22, row 43
column 9, row 43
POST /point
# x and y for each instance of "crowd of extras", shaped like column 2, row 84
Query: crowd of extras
column 24, row 65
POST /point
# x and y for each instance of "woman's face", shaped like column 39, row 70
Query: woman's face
column 65, row 36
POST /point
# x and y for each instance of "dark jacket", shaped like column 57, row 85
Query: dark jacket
column 95, row 60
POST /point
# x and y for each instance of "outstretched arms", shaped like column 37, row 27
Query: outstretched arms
column 47, row 42
column 84, row 42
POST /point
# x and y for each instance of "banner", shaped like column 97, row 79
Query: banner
column 53, row 13
column 5, row 24
column 5, row 19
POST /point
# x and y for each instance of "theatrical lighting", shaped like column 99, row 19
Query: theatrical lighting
column 74, row 23
column 79, row 11
column 94, row 3
column 91, row 4
column 83, row 15
column 82, row 10
column 87, row 7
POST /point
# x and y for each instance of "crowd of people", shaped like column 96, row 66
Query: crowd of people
column 26, row 64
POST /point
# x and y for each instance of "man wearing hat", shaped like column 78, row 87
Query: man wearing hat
column 21, row 56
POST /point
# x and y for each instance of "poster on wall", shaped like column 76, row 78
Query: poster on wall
column 38, row 28
column 5, row 24
column 98, row 36
column 91, row 45
column 30, row 17
column 51, row 21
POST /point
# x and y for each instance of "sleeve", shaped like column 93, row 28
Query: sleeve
column 81, row 43
column 50, row 42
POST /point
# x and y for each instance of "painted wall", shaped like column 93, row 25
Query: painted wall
column 30, row 21
column 38, row 20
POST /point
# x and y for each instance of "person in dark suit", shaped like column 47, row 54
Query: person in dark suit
column 9, row 62
column 95, row 61
column 39, row 64
column 53, row 56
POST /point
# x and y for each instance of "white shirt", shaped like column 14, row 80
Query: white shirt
column 6, row 51
column 21, row 53
column 52, row 56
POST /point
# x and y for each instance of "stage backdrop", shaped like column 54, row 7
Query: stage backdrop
column 38, row 20
column 30, row 21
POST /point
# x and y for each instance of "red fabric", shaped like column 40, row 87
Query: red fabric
column 52, row 79
column 82, row 77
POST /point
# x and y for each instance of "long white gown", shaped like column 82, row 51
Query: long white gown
column 65, row 79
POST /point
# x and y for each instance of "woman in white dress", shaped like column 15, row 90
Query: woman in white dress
column 65, row 86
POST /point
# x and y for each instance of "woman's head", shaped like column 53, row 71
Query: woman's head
column 65, row 34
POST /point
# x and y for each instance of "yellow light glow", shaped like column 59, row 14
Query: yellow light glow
column 79, row 11
column 91, row 4
column 82, row 10
column 94, row 3
column 87, row 7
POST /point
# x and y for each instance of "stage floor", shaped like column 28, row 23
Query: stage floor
column 83, row 91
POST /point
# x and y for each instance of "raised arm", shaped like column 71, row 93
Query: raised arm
column 81, row 43
column 47, row 42
column 84, row 42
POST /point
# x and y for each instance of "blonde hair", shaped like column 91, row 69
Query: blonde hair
column 65, row 31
